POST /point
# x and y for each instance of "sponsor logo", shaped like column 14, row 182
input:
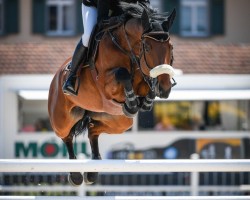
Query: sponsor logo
column 46, row 149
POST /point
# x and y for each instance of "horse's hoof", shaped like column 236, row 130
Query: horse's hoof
column 90, row 177
column 75, row 178
column 129, row 112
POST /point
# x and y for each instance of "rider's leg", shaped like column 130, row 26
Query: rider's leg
column 89, row 16
column 78, row 57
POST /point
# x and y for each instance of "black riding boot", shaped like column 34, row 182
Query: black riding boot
column 79, row 57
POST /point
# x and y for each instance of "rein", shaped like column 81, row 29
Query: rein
column 133, row 58
column 130, row 54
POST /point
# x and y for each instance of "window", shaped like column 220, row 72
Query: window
column 33, row 116
column 194, row 18
column 224, row 115
column 1, row 16
column 60, row 20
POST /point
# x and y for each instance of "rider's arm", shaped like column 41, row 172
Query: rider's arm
column 103, row 7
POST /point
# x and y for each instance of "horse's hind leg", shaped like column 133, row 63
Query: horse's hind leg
column 103, row 123
column 75, row 178
column 91, row 177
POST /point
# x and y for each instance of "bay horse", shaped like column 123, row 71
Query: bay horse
column 131, row 66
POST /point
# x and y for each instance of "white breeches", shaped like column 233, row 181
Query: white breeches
column 89, row 18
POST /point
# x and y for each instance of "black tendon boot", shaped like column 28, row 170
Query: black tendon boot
column 79, row 57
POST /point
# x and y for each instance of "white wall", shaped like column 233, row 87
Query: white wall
column 9, row 87
column 11, row 84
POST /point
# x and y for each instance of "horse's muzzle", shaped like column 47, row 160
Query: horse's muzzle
column 162, row 89
column 161, row 93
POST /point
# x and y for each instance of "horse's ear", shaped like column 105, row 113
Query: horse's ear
column 166, row 25
column 145, row 20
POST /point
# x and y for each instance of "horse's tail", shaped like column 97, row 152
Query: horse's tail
column 81, row 126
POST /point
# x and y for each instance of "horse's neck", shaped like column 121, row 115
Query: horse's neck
column 139, row 85
column 120, row 37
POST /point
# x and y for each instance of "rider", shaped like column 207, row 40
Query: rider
column 93, row 11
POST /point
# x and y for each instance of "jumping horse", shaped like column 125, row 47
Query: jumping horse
column 130, row 67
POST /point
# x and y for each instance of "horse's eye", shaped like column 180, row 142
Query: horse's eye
column 147, row 48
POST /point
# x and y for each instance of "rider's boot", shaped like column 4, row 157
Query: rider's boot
column 79, row 57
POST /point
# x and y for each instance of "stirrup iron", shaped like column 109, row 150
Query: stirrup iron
column 74, row 92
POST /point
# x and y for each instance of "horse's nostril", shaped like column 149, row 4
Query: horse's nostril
column 164, row 93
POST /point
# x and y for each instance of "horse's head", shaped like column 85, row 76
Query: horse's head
column 150, row 42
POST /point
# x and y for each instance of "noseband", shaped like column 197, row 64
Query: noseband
column 135, row 59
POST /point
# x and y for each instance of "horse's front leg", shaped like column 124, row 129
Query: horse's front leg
column 147, row 102
column 130, row 107
column 75, row 178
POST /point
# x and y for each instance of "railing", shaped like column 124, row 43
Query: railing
column 190, row 187
column 181, row 165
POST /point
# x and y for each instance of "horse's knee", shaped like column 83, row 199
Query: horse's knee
column 129, row 124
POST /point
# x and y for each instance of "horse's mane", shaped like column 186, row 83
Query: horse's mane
column 135, row 10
